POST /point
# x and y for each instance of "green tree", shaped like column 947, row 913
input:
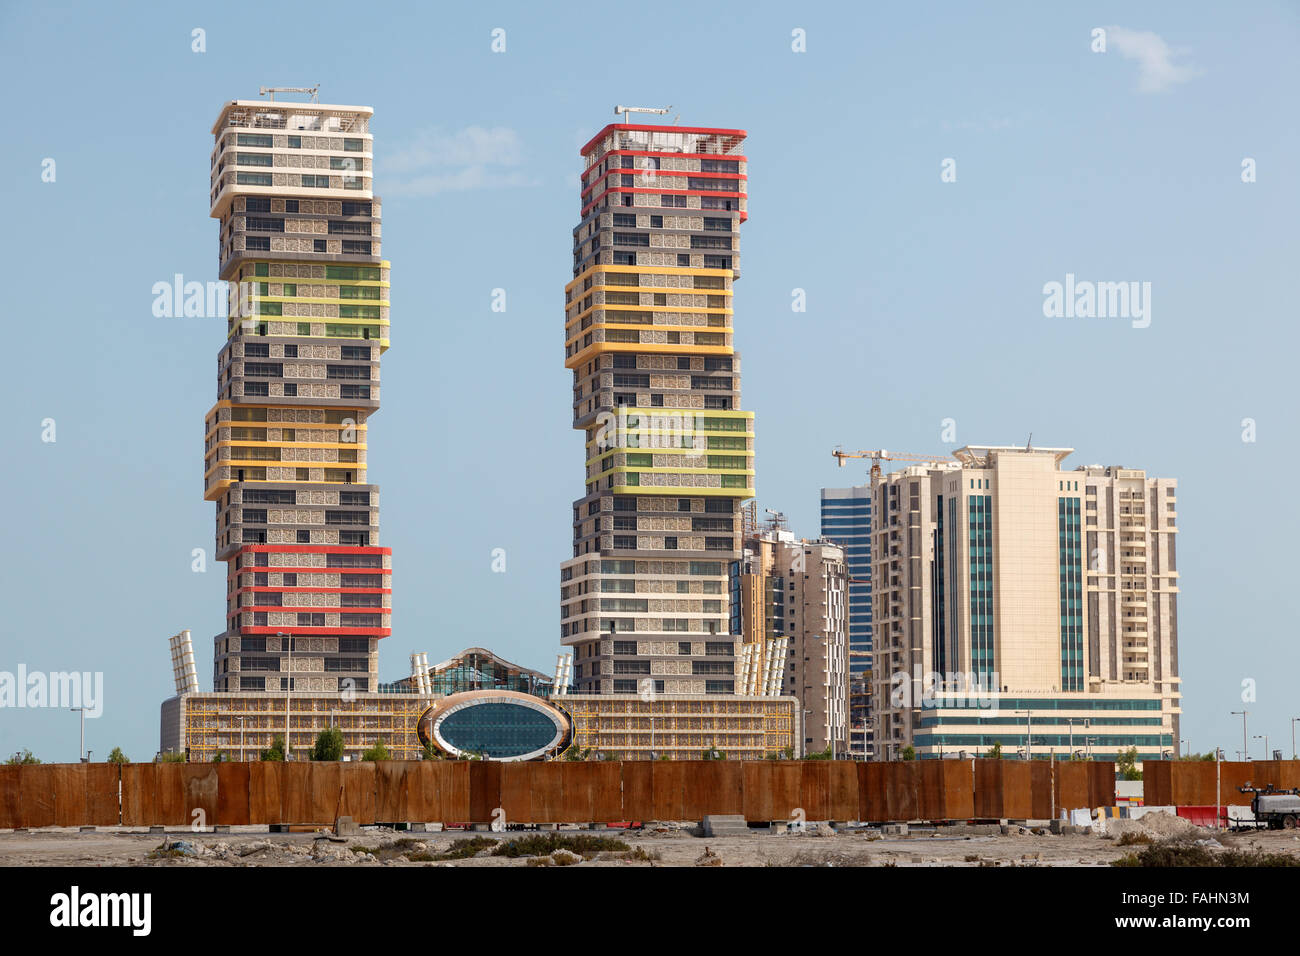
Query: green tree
column 909, row 753
column 819, row 754
column 220, row 757
column 995, row 752
column 430, row 752
column 116, row 756
column 24, row 756
column 577, row 753
column 1126, row 765
column 713, row 753
column 329, row 745
column 275, row 753
column 172, row 756
column 377, row 752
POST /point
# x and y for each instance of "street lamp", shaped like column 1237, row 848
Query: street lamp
column 1181, row 741
column 1263, row 737
column 1029, row 733
column 81, row 754
column 242, row 755
column 1245, row 747
column 287, row 640
column 1293, row 723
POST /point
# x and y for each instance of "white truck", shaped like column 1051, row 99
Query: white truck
column 1276, row 809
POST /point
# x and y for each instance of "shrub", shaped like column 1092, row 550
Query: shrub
column 1126, row 765
column 275, row 752
column 545, row 844
column 329, row 745
column 24, row 756
column 116, row 756
column 377, row 752
column 1134, row 838
column 1171, row 853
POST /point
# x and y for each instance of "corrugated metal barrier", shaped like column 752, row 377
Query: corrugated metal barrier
column 236, row 794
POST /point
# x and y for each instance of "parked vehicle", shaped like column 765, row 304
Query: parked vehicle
column 1276, row 809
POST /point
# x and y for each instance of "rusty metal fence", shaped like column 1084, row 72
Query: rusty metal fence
column 314, row 794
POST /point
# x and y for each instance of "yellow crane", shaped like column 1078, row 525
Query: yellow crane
column 879, row 455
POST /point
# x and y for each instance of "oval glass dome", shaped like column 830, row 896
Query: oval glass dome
column 499, row 725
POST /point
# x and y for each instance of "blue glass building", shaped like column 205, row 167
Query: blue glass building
column 846, row 520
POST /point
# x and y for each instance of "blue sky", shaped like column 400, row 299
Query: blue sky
column 924, row 298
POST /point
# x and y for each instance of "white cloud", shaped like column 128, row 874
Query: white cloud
column 1157, row 71
column 471, row 158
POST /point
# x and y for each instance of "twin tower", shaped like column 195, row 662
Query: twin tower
column 656, row 391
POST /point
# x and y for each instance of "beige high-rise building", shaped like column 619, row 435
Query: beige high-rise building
column 1014, row 598
column 784, row 587
column 649, row 339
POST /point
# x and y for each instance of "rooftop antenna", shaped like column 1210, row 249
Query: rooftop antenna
column 272, row 90
column 620, row 110
column 1029, row 445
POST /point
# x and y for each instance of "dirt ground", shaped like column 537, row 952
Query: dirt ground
column 660, row 845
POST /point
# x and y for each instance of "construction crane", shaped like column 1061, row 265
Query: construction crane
column 272, row 90
column 880, row 455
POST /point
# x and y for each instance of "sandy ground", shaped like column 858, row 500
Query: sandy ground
column 664, row 844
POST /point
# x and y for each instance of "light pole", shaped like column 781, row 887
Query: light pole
column 1293, row 723
column 242, row 755
column 81, row 754
column 1245, row 747
column 287, row 640
column 1181, row 741
column 1263, row 737
column 1029, row 733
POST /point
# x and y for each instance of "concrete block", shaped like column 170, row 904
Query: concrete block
column 86, row 830
column 346, row 826
column 718, row 825
column 894, row 829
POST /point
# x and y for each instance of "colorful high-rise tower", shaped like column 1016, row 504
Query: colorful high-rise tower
column 308, row 587
column 656, row 393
